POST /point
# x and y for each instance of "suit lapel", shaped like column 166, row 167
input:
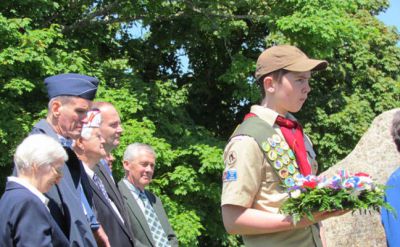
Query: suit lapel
column 135, row 209
column 110, row 185
column 113, row 192
column 99, row 194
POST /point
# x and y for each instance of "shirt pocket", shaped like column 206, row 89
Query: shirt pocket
column 271, row 179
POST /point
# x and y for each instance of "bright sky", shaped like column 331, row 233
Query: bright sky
column 392, row 15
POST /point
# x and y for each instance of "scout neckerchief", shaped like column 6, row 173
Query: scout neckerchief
column 295, row 141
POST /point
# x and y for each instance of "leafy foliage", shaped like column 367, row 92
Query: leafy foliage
column 181, row 75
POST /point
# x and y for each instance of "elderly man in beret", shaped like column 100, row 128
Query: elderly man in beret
column 70, row 98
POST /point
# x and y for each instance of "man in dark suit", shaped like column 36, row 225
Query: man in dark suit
column 144, row 208
column 70, row 98
column 111, row 130
column 90, row 150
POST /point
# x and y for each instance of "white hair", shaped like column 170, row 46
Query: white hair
column 38, row 150
column 133, row 150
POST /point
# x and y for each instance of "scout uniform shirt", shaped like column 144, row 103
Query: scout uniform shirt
column 250, row 181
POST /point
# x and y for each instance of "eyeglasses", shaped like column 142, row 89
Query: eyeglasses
column 57, row 170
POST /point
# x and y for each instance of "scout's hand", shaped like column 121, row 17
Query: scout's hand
column 319, row 216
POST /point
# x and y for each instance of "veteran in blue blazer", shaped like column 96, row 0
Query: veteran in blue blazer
column 70, row 98
column 25, row 217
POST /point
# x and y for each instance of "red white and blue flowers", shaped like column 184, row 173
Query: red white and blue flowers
column 343, row 191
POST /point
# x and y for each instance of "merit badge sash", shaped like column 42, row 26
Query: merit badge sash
column 275, row 148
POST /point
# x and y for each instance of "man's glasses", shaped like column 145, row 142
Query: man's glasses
column 57, row 170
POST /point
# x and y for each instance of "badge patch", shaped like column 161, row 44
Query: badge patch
column 232, row 156
column 289, row 182
column 265, row 146
column 284, row 145
column 283, row 173
column 282, row 158
column 229, row 175
column 272, row 155
column 279, row 150
column 271, row 142
column 291, row 154
column 276, row 138
column 295, row 164
column 278, row 164
column 291, row 169
column 285, row 159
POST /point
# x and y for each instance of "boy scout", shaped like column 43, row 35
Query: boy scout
column 268, row 150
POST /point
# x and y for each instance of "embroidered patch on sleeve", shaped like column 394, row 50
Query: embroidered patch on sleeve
column 232, row 156
column 229, row 175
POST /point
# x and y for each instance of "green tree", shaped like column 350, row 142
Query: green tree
column 187, row 114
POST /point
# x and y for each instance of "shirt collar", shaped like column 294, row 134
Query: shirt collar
column 88, row 171
column 65, row 142
column 30, row 187
column 135, row 191
column 268, row 115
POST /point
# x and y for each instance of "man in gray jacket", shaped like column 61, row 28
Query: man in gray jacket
column 146, row 212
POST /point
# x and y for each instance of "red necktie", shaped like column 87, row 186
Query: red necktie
column 295, row 141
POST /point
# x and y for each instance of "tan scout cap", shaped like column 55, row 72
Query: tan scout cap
column 286, row 57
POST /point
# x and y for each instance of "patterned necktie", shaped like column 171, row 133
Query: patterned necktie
column 100, row 185
column 156, row 229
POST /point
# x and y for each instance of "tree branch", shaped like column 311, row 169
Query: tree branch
column 104, row 16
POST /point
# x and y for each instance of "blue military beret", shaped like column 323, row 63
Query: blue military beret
column 71, row 85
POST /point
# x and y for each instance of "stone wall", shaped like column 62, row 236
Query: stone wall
column 375, row 154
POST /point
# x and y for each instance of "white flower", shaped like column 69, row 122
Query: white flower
column 355, row 193
column 295, row 193
column 323, row 184
column 367, row 186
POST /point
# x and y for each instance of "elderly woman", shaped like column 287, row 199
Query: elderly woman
column 25, row 218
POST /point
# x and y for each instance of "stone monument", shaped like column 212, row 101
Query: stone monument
column 375, row 154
